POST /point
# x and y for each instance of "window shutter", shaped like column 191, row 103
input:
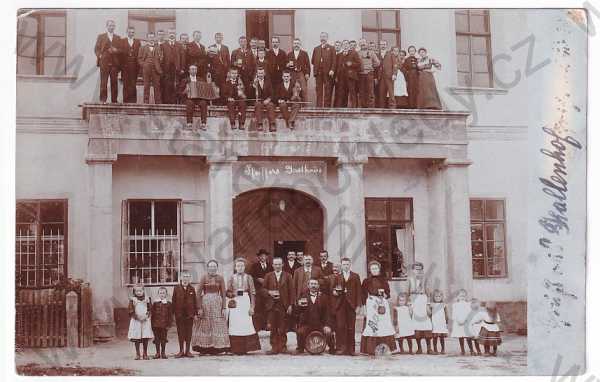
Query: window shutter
column 124, row 244
column 193, row 214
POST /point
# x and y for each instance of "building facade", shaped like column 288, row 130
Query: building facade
column 116, row 194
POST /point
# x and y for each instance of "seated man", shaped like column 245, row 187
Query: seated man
column 197, row 92
column 264, row 100
column 314, row 314
column 235, row 95
column 289, row 95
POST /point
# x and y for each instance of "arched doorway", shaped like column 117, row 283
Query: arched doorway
column 278, row 220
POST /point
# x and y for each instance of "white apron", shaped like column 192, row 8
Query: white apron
column 240, row 322
column 405, row 325
column 438, row 318
column 460, row 312
column 140, row 329
column 400, row 85
column 378, row 325
column 421, row 320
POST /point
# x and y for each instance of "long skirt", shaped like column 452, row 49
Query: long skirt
column 378, row 326
column 242, row 335
column 428, row 97
column 209, row 334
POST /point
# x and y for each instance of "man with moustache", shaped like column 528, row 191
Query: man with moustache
column 348, row 66
column 130, row 48
column 277, row 58
column 172, row 69
column 346, row 294
column 149, row 60
column 108, row 60
column 323, row 61
column 305, row 273
column 242, row 59
column 258, row 271
column 279, row 286
column 386, row 75
column 221, row 60
column 314, row 314
column 290, row 265
column 299, row 65
column 325, row 265
column 196, row 54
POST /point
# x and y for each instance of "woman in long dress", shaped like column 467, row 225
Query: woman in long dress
column 428, row 97
column 417, row 289
column 209, row 335
column 378, row 328
column 241, row 293
column 411, row 73
column 400, row 89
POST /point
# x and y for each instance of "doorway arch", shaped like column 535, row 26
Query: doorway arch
column 277, row 219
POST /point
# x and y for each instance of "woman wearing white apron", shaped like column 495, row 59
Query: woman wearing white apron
column 417, row 288
column 378, row 328
column 400, row 90
column 241, row 293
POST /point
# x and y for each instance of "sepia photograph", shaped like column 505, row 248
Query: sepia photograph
column 368, row 191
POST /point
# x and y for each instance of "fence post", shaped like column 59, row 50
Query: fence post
column 72, row 319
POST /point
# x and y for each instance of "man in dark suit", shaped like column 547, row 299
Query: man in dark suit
column 258, row 272
column 196, row 54
column 323, row 61
column 346, row 293
column 346, row 76
column 384, row 74
column 221, row 61
column 130, row 48
column 278, row 305
column 171, row 66
column 277, row 58
column 299, row 65
column 289, row 97
column 108, row 60
column 233, row 92
column 290, row 264
column 243, row 59
column 149, row 58
column 313, row 314
column 264, row 100
column 325, row 265
column 185, row 309
column 184, row 40
column 302, row 275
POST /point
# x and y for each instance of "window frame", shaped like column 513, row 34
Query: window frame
column 39, row 241
column 287, row 12
column 126, row 237
column 151, row 20
column 469, row 35
column 380, row 30
column 483, row 222
column 389, row 223
column 40, row 41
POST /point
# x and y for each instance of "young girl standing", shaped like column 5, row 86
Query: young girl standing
column 140, row 327
column 489, row 334
column 474, row 326
column 439, row 321
column 460, row 311
column 403, row 323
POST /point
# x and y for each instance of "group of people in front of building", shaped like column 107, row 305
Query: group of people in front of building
column 283, row 295
column 347, row 74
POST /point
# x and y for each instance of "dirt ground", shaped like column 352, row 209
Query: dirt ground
column 117, row 358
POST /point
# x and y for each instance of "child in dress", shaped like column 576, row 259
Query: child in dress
column 403, row 323
column 473, row 326
column 489, row 334
column 439, row 321
column 162, row 313
column 460, row 311
column 140, row 327
column 421, row 314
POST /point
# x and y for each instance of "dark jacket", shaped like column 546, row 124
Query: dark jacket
column 129, row 53
column 162, row 314
column 145, row 56
column 348, row 66
column 230, row 89
column 328, row 270
column 323, row 60
column 266, row 91
column 257, row 272
column 302, row 64
column 286, row 95
column 315, row 315
column 286, row 264
column 284, row 286
column 104, row 56
column 277, row 64
column 352, row 290
column 172, row 56
column 301, row 280
column 184, row 302
column 196, row 55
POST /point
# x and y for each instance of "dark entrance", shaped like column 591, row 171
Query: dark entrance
column 257, row 25
column 278, row 220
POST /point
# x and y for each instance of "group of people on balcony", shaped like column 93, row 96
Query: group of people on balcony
column 347, row 74
column 319, row 302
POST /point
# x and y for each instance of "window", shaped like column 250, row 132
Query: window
column 41, row 43
column 41, row 234
column 380, row 25
column 264, row 25
column 151, row 241
column 473, row 48
column 390, row 234
column 488, row 240
column 151, row 20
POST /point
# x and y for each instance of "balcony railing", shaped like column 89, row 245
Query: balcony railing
column 140, row 129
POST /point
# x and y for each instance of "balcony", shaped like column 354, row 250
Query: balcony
column 140, row 129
